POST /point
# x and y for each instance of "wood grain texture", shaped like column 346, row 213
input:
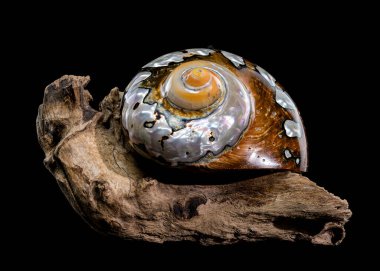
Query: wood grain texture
column 109, row 187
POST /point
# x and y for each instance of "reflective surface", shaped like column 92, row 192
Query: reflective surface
column 213, row 109
column 221, row 126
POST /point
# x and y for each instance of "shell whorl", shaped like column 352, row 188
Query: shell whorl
column 187, row 138
column 208, row 108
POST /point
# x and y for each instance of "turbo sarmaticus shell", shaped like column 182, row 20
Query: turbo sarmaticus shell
column 212, row 109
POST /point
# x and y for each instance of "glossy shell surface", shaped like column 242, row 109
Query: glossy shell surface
column 212, row 109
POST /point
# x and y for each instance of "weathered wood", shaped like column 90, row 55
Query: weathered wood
column 111, row 188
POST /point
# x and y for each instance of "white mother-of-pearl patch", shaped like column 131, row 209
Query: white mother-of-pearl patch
column 283, row 99
column 235, row 59
column 176, row 57
column 288, row 154
column 269, row 78
column 292, row 128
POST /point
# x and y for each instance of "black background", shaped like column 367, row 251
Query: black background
column 311, row 53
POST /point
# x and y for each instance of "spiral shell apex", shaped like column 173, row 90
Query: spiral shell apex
column 212, row 109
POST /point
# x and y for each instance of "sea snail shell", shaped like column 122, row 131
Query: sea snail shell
column 212, row 109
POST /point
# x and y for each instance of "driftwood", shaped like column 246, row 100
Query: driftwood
column 118, row 193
